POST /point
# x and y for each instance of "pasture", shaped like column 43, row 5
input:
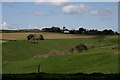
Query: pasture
column 17, row 55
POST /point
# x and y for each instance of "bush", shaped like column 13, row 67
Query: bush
column 41, row 37
column 81, row 47
column 30, row 36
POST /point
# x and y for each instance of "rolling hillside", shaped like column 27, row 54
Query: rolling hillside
column 17, row 56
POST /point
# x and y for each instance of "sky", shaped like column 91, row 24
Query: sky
column 72, row 15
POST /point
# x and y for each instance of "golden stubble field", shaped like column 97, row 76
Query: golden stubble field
column 47, row 35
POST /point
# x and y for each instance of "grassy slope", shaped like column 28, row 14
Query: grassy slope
column 18, row 55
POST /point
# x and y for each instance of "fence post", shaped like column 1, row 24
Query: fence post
column 38, row 68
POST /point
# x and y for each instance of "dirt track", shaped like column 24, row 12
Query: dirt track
column 46, row 35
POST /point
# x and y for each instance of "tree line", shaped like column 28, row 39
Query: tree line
column 58, row 30
column 80, row 31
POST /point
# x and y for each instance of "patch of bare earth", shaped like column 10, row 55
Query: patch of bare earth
column 116, row 52
column 6, row 61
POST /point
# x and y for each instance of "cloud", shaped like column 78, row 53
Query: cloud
column 51, row 12
column 32, row 27
column 72, row 9
column 104, row 12
column 51, row 2
column 35, row 27
column 10, row 4
column 106, row 19
column 5, row 25
column 0, row 26
column 29, row 26
column 39, row 14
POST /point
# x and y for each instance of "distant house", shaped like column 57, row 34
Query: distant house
column 66, row 32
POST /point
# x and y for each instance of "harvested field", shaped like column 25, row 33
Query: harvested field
column 1, row 41
column 46, row 35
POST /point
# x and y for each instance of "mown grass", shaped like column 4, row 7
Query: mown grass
column 18, row 56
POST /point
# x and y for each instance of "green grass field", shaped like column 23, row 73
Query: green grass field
column 17, row 56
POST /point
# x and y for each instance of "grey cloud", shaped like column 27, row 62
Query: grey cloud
column 39, row 14
column 106, row 19
column 104, row 12
column 10, row 4
column 51, row 2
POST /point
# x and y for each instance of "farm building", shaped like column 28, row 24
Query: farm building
column 66, row 32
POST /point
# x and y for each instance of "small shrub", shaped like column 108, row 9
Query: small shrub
column 35, row 37
column 99, row 41
column 30, row 36
column 116, row 47
column 81, row 47
column 41, row 37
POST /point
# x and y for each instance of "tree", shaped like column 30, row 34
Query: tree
column 108, row 32
column 64, row 28
column 82, row 30
column 55, row 29
column 72, row 31
column 30, row 36
column 41, row 37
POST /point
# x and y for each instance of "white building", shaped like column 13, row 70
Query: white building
column 66, row 32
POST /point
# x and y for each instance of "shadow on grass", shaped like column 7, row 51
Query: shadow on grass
column 48, row 76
